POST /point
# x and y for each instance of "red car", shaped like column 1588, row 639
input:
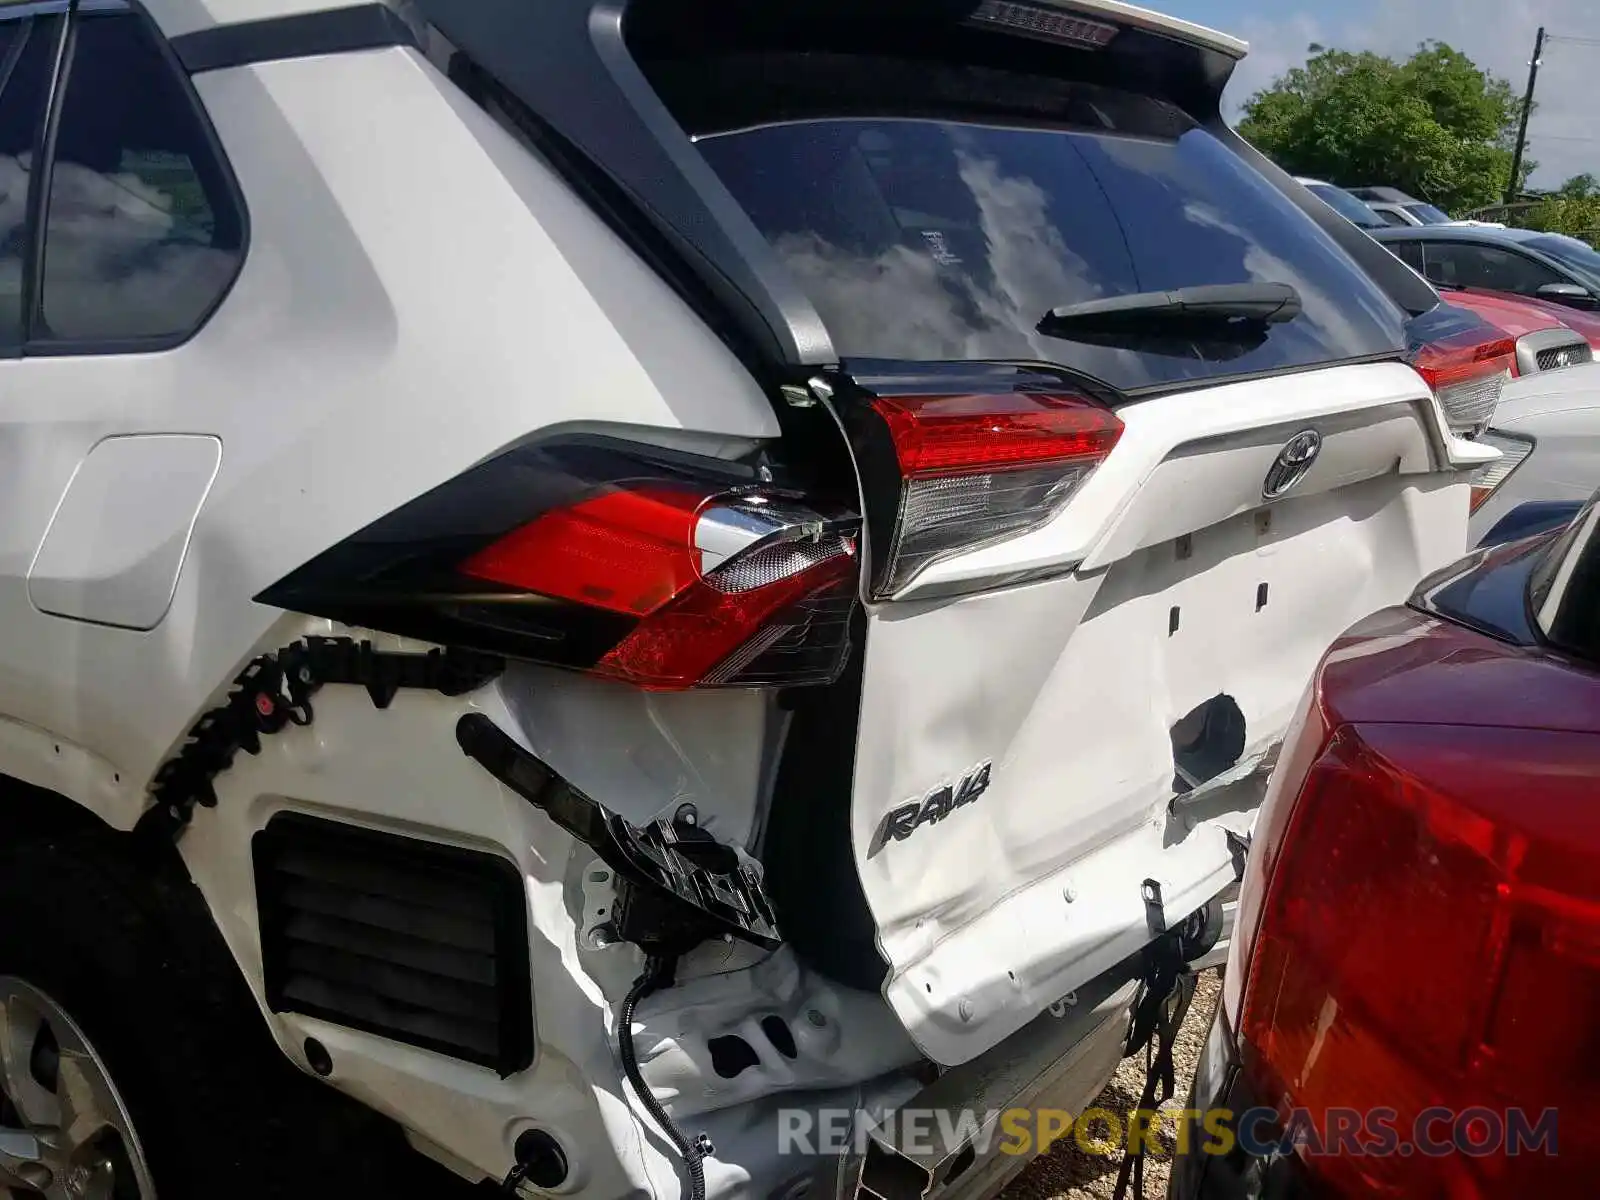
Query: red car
column 1412, row 1002
column 1548, row 336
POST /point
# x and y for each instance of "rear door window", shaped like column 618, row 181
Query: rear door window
column 1487, row 267
column 922, row 237
column 1411, row 254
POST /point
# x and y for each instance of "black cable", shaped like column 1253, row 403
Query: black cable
column 657, row 973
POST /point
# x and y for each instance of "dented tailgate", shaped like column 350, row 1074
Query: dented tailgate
column 1015, row 788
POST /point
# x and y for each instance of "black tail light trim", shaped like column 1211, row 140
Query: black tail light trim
column 658, row 568
column 396, row 936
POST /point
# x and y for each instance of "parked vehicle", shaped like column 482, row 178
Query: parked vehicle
column 1396, row 209
column 1545, row 266
column 1549, row 336
column 1547, row 430
column 1545, row 342
column 613, row 590
column 1342, row 202
column 1413, row 982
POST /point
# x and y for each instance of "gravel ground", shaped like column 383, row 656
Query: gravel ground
column 1067, row 1173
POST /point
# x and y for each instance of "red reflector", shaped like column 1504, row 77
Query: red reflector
column 1429, row 943
column 622, row 551
column 954, row 435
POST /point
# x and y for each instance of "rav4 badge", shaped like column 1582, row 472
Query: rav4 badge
column 900, row 823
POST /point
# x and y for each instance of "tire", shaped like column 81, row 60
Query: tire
column 128, row 952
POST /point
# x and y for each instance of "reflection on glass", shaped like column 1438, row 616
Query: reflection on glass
column 927, row 239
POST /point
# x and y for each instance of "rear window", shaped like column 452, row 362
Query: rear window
column 1346, row 205
column 943, row 235
column 1428, row 214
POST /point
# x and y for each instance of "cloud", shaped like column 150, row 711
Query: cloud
column 1497, row 34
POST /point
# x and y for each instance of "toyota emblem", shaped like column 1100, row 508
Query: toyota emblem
column 1292, row 463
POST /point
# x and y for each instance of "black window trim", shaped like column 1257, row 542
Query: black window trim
column 300, row 35
column 72, row 12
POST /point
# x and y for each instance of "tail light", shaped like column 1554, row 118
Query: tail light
column 1486, row 480
column 949, row 473
column 658, row 569
column 1420, row 927
column 1467, row 372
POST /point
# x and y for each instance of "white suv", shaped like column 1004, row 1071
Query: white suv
column 612, row 581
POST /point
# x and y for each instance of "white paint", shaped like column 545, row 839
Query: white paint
column 117, row 541
column 1070, row 687
column 345, row 376
column 1560, row 411
column 480, row 303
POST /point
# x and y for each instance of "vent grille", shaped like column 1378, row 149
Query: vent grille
column 1557, row 357
column 422, row 943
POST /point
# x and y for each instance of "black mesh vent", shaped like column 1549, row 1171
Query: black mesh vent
column 1565, row 356
column 422, row 943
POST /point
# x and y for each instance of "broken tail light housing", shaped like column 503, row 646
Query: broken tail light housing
column 946, row 473
column 658, row 569
column 1467, row 372
column 1486, row 480
column 1420, row 942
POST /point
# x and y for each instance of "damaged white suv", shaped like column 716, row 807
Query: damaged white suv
column 589, row 585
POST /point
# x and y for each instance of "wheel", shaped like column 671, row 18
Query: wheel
column 134, row 1064
column 64, row 1128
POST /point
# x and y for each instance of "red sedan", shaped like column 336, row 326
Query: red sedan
column 1548, row 336
column 1411, row 1000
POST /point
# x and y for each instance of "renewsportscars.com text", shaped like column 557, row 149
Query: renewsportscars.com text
column 1436, row 1132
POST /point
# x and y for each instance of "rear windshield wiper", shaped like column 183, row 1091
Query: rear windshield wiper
column 1214, row 312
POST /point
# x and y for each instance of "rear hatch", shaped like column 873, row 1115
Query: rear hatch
column 1067, row 712
column 1104, row 557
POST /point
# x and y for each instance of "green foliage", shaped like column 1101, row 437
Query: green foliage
column 1579, row 187
column 1436, row 126
column 1576, row 214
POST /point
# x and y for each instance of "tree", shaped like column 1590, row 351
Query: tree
column 1436, row 125
column 1579, row 187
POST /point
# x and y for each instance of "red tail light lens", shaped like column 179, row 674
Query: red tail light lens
column 662, row 572
column 1429, row 940
column 1467, row 372
column 623, row 551
column 976, row 468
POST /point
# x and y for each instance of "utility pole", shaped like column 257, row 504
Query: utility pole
column 1522, row 129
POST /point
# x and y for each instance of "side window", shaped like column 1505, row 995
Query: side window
column 1410, row 253
column 1391, row 218
column 1508, row 271
column 27, row 50
column 1487, row 267
column 142, row 236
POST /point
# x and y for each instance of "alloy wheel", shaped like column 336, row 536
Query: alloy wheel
column 65, row 1132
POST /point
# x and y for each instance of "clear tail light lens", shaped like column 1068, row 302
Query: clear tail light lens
column 1487, row 479
column 1467, row 372
column 972, row 469
column 1422, row 919
column 651, row 568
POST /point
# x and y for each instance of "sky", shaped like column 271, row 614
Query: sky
column 1564, row 135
